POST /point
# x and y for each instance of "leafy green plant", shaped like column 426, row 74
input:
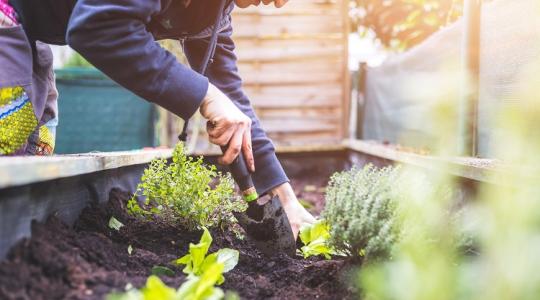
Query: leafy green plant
column 315, row 238
column 197, row 262
column 204, row 273
column 203, row 287
column 153, row 290
column 195, row 288
column 361, row 211
column 115, row 224
column 183, row 192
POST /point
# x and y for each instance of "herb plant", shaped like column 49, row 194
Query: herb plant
column 315, row 238
column 182, row 191
column 361, row 211
column 197, row 262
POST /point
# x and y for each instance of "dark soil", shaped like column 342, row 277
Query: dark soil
column 310, row 192
column 90, row 260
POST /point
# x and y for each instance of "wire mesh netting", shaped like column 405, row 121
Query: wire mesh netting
column 403, row 95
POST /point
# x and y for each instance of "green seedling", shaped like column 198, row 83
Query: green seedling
column 201, row 287
column 315, row 238
column 130, row 249
column 115, row 224
column 195, row 288
column 197, row 262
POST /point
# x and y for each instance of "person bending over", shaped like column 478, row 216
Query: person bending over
column 119, row 38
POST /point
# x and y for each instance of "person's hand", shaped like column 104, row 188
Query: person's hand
column 227, row 126
column 296, row 213
column 246, row 3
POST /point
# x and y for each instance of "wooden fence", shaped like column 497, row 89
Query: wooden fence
column 293, row 62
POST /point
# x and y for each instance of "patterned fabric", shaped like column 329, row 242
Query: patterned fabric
column 41, row 141
column 17, row 119
column 8, row 17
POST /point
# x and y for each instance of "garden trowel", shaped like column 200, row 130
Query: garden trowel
column 266, row 225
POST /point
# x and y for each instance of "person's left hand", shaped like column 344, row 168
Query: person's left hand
column 296, row 213
column 246, row 3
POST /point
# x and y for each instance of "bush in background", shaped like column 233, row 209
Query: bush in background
column 361, row 209
column 188, row 192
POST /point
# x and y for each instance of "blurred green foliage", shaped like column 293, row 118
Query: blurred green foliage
column 401, row 24
column 503, row 218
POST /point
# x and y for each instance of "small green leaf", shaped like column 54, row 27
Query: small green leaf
column 231, row 295
column 130, row 249
column 115, row 224
column 203, row 287
column 162, row 271
column 228, row 257
column 197, row 252
column 315, row 237
column 156, row 289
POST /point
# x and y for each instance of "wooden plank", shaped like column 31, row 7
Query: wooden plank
column 304, row 138
column 467, row 167
column 309, row 42
column 306, row 10
column 271, row 49
column 322, row 113
column 337, row 37
column 295, row 96
column 299, row 125
column 15, row 171
column 290, row 78
column 280, row 25
column 270, row 73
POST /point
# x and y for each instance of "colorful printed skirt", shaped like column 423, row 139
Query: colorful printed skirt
column 28, row 107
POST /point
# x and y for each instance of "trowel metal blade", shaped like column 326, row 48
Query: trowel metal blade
column 267, row 226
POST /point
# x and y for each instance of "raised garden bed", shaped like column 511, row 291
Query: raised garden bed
column 88, row 260
column 81, row 257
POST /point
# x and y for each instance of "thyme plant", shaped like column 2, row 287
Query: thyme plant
column 187, row 191
column 361, row 211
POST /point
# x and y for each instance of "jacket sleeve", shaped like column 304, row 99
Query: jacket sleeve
column 112, row 35
column 223, row 73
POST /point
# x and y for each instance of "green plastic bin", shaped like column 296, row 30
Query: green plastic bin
column 96, row 114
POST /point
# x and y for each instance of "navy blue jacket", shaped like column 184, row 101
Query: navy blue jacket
column 118, row 37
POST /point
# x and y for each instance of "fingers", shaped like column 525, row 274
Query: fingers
column 220, row 132
column 280, row 3
column 233, row 149
column 247, row 150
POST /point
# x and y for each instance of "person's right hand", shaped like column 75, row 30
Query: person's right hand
column 227, row 126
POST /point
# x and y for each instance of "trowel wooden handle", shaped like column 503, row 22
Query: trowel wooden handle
column 242, row 176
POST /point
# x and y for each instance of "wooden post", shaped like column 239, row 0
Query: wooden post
column 361, row 99
column 468, row 107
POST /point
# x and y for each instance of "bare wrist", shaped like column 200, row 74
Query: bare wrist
column 285, row 192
